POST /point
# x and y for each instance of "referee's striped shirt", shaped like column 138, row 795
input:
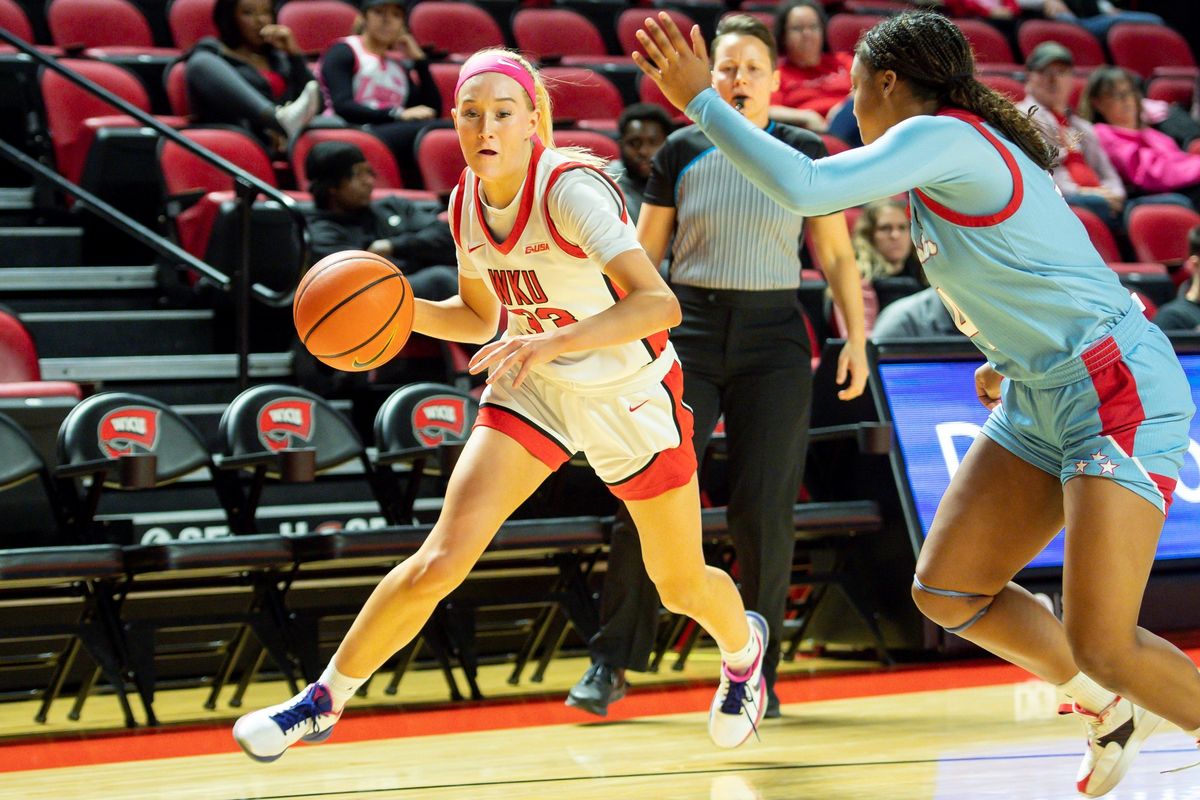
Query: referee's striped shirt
column 728, row 233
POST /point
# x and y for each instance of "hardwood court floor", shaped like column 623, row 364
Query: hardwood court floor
column 977, row 731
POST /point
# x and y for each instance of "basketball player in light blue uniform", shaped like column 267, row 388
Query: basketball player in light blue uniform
column 1090, row 407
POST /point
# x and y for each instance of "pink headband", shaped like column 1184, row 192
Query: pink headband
column 495, row 62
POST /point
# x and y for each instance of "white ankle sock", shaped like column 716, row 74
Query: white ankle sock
column 742, row 660
column 1087, row 693
column 341, row 687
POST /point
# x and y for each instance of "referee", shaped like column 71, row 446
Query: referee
column 744, row 346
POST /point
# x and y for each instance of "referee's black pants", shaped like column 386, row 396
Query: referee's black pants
column 746, row 354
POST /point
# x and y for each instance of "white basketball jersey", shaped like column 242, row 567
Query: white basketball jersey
column 544, row 280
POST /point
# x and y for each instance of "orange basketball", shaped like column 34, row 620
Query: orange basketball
column 353, row 310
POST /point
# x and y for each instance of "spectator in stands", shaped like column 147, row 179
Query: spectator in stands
column 365, row 84
column 884, row 250
column 1096, row 16
column 1084, row 174
column 253, row 76
column 744, row 349
column 411, row 235
column 643, row 127
column 1150, row 162
column 812, row 80
column 1183, row 313
column 916, row 316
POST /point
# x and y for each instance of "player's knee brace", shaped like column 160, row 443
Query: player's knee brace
column 963, row 595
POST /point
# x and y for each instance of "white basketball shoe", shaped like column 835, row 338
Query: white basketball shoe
column 1114, row 737
column 266, row 734
column 738, row 706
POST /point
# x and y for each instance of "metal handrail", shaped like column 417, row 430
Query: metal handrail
column 247, row 188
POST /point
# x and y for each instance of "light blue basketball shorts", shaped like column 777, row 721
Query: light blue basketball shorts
column 1126, row 418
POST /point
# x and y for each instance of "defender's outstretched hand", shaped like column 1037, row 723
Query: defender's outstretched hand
column 681, row 70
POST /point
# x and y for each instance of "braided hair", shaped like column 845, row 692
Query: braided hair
column 930, row 52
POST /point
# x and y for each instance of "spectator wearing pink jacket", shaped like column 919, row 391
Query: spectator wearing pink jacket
column 1150, row 162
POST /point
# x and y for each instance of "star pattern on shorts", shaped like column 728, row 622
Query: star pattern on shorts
column 1098, row 455
column 1108, row 467
column 1081, row 467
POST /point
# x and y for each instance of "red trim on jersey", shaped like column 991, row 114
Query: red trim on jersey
column 656, row 342
column 540, row 444
column 668, row 469
column 456, row 213
column 984, row 220
column 568, row 247
column 527, row 192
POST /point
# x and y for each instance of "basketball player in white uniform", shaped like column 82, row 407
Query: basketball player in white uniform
column 584, row 365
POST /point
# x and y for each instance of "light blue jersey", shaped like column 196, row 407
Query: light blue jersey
column 1006, row 254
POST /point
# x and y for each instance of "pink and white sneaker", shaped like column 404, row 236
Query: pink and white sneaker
column 737, row 709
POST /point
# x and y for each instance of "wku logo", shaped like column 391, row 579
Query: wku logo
column 285, row 422
column 540, row 247
column 133, row 429
column 439, row 418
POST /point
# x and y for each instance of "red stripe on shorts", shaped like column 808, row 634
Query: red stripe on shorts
column 540, row 444
column 1120, row 409
column 1166, row 486
column 668, row 469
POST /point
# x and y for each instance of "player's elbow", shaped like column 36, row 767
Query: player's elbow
column 671, row 311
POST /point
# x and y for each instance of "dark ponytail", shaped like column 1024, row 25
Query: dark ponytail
column 930, row 52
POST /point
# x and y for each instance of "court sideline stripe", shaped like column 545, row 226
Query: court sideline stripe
column 74, row 750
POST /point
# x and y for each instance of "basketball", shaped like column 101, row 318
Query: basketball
column 353, row 310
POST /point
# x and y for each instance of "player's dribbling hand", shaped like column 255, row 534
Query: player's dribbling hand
column 520, row 353
column 681, row 70
column 987, row 386
column 852, row 366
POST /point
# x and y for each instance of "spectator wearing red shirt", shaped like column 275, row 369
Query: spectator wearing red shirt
column 812, row 80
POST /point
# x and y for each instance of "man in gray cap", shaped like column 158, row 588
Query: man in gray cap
column 1084, row 174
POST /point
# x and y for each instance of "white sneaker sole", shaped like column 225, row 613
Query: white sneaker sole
column 1133, row 746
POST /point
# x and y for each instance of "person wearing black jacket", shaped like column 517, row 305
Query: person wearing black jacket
column 253, row 76
column 410, row 234
column 366, row 85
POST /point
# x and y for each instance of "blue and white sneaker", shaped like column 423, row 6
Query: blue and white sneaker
column 739, row 704
column 266, row 734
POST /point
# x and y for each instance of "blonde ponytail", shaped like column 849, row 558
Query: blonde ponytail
column 545, row 128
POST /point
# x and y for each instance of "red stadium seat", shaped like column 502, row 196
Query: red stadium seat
column 600, row 144
column 175, row 82
column 648, row 92
column 632, row 18
column 990, row 46
column 440, row 159
column 387, row 174
column 843, row 30
column 1146, row 48
column 74, row 116
column 553, row 32
column 14, row 20
column 445, row 77
column 1159, row 232
column 877, row 6
column 583, row 95
column 317, row 23
column 454, row 27
column 1084, row 47
column 1180, row 91
column 1101, row 237
column 20, row 373
column 190, row 21
column 115, row 27
column 1011, row 88
column 185, row 176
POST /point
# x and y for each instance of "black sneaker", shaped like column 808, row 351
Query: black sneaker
column 772, row 711
column 598, row 687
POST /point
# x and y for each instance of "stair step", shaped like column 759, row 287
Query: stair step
column 76, row 334
column 214, row 366
column 40, row 246
column 16, row 198
column 77, row 279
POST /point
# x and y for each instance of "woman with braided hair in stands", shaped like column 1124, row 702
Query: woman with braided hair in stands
column 585, row 365
column 1089, row 406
